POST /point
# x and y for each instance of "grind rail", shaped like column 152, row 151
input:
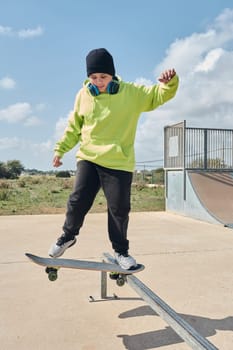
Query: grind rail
column 180, row 326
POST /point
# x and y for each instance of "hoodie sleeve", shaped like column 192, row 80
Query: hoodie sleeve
column 72, row 133
column 156, row 95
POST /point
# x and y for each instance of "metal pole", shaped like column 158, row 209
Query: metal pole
column 103, row 291
column 180, row 326
column 205, row 149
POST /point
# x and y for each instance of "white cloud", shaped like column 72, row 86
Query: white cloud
column 21, row 112
column 7, row 83
column 204, row 63
column 143, row 81
column 7, row 143
column 30, row 33
column 18, row 144
column 5, row 31
column 186, row 53
column 42, row 147
column 210, row 61
column 32, row 121
column 36, row 155
column 60, row 126
column 16, row 113
column 21, row 33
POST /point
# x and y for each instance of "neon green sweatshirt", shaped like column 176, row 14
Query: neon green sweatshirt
column 105, row 125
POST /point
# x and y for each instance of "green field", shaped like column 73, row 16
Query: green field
column 48, row 195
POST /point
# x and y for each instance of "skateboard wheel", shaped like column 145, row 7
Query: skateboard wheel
column 52, row 275
column 120, row 281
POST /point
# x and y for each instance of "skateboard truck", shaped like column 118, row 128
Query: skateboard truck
column 119, row 278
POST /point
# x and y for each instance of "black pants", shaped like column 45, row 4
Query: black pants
column 116, row 185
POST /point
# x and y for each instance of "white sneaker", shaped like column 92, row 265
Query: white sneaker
column 125, row 261
column 58, row 248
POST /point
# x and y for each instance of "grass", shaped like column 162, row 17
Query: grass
column 48, row 195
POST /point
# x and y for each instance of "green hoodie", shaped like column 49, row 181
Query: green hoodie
column 105, row 125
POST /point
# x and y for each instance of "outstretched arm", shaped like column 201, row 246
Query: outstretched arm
column 151, row 97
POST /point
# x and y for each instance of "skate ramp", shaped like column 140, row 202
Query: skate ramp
column 215, row 192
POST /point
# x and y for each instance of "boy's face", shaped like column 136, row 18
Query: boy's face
column 101, row 80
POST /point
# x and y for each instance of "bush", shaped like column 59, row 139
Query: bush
column 140, row 186
column 4, row 195
column 22, row 183
column 63, row 174
column 67, row 184
column 4, row 184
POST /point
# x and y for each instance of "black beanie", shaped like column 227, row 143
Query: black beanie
column 100, row 61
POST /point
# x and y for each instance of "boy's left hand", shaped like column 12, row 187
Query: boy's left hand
column 167, row 75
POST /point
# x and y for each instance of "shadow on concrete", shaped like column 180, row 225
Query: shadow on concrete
column 164, row 337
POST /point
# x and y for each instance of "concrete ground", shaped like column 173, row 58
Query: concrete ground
column 189, row 264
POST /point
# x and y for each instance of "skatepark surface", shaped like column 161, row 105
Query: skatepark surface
column 188, row 263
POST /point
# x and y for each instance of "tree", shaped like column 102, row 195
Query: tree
column 158, row 176
column 12, row 169
column 3, row 171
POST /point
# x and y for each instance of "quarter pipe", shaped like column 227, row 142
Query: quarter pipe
column 204, row 195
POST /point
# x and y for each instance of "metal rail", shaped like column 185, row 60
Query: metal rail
column 180, row 326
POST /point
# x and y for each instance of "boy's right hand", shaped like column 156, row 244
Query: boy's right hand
column 167, row 75
column 57, row 161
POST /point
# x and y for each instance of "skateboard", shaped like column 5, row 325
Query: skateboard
column 52, row 265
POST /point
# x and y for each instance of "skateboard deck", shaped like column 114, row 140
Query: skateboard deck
column 53, row 264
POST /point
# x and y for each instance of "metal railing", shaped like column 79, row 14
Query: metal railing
column 197, row 148
column 209, row 148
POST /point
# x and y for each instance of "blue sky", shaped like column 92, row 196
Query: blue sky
column 43, row 46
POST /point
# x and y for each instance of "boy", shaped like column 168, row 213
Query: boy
column 104, row 122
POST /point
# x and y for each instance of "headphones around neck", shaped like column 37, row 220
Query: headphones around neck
column 112, row 87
